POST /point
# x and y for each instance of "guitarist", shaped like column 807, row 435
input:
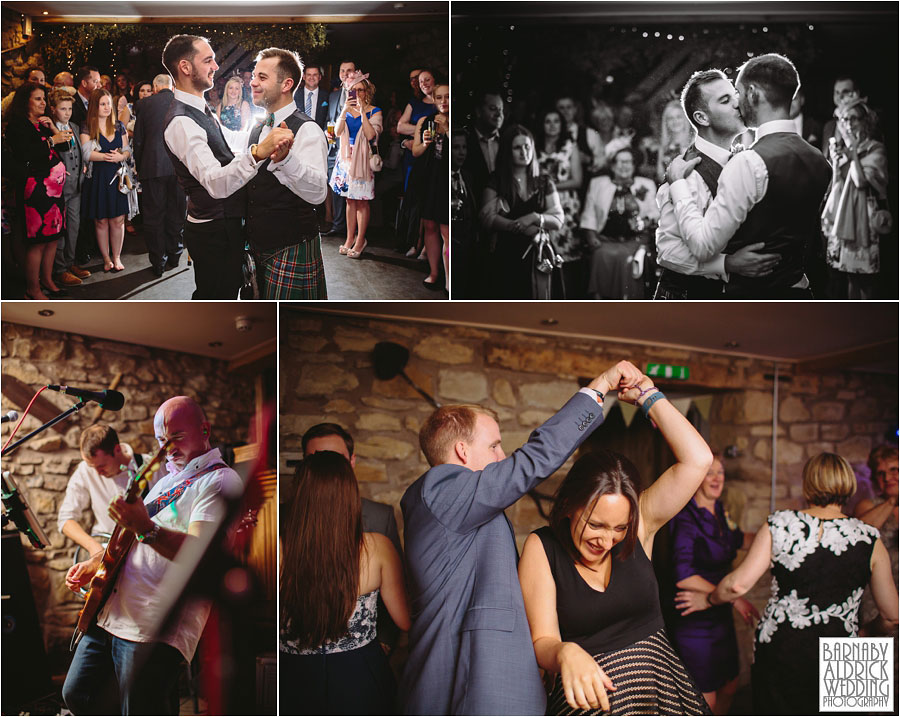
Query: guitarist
column 100, row 477
column 120, row 650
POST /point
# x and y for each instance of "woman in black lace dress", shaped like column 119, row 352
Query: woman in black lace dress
column 591, row 596
column 332, row 573
column 821, row 561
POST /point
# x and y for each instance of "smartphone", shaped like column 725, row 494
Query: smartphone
column 351, row 94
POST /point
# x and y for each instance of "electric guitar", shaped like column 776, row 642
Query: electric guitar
column 120, row 543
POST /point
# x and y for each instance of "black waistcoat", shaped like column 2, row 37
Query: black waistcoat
column 276, row 217
column 787, row 218
column 200, row 204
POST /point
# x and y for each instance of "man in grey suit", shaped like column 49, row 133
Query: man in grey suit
column 470, row 650
column 376, row 517
column 165, row 203
column 336, row 101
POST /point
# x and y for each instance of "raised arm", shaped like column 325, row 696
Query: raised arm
column 674, row 488
column 875, row 515
column 884, row 591
column 584, row 683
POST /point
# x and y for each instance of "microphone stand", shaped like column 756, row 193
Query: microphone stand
column 52, row 422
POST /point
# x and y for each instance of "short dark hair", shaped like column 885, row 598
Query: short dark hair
column 595, row 474
column 691, row 96
column 320, row 430
column 289, row 64
column 83, row 72
column 18, row 107
column 178, row 48
column 775, row 74
column 845, row 76
column 36, row 69
column 98, row 438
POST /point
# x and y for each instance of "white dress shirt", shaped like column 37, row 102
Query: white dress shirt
column 305, row 169
column 742, row 185
column 672, row 251
column 133, row 610
column 189, row 142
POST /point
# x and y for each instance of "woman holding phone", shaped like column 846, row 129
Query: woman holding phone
column 360, row 123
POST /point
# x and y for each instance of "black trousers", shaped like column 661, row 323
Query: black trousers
column 217, row 250
column 165, row 209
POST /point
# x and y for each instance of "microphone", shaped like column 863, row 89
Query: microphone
column 11, row 416
column 108, row 399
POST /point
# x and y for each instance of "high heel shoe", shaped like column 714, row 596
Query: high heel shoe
column 353, row 254
column 412, row 252
column 343, row 249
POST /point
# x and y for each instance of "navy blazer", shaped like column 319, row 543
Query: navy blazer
column 321, row 110
column 470, row 649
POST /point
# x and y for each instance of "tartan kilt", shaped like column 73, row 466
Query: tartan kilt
column 295, row 272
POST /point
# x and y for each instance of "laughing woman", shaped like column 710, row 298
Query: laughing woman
column 591, row 596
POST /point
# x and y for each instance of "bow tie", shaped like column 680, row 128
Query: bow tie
column 270, row 120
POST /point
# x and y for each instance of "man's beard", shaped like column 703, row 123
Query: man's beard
column 201, row 83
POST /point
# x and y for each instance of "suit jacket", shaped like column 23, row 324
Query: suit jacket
column 334, row 110
column 74, row 162
column 150, row 155
column 470, row 648
column 79, row 111
column 476, row 166
column 321, row 110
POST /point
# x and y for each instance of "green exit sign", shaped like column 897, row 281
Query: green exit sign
column 663, row 370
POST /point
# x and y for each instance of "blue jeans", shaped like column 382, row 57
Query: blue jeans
column 109, row 675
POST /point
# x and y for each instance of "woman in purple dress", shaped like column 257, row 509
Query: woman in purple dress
column 705, row 542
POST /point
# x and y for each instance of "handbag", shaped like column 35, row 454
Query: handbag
column 544, row 262
column 880, row 220
column 250, row 287
column 375, row 161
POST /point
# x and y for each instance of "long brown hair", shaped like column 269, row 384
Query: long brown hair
column 322, row 541
column 93, row 115
column 594, row 475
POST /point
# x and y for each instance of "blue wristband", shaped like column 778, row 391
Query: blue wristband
column 645, row 406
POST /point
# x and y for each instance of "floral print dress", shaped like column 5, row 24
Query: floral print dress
column 819, row 570
column 558, row 166
column 44, row 178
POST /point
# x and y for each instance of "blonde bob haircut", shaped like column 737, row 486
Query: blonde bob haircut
column 828, row 479
column 447, row 426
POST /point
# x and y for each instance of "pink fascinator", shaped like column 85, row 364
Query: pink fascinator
column 355, row 77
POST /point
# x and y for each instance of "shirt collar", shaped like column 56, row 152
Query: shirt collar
column 197, row 464
column 785, row 125
column 484, row 137
column 198, row 103
column 713, row 151
column 285, row 112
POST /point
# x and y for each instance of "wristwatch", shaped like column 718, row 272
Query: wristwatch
column 150, row 536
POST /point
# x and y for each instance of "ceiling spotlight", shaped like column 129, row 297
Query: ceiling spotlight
column 550, row 322
column 46, row 13
column 46, row 313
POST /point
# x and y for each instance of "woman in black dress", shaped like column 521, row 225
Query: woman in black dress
column 431, row 151
column 518, row 204
column 591, row 596
column 40, row 176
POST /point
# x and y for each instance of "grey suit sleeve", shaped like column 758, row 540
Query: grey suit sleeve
column 463, row 500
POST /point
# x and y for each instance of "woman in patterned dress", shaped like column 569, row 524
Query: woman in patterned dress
column 331, row 575
column 359, row 124
column 591, row 596
column 233, row 110
column 559, row 159
column 40, row 175
column 821, row 561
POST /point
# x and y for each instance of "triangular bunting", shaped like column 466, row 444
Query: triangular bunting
column 682, row 404
column 628, row 410
column 704, row 405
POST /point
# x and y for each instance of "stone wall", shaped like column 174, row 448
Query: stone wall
column 42, row 466
column 327, row 375
column 24, row 55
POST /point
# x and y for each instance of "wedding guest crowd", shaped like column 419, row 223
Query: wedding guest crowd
column 87, row 133
column 832, row 250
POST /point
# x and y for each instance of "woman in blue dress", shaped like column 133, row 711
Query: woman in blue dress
column 104, row 143
column 234, row 111
column 359, row 124
column 704, row 545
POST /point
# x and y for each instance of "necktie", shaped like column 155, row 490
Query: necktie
column 270, row 120
column 309, row 103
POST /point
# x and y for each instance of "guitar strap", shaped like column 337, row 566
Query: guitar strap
column 173, row 494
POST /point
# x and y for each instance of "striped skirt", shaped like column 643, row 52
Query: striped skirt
column 295, row 272
column 649, row 677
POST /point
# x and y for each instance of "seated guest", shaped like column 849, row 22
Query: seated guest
column 618, row 218
column 590, row 592
column 519, row 204
column 560, row 160
column 704, row 543
column 859, row 167
column 332, row 574
column 100, row 477
column 470, row 651
column 820, row 561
